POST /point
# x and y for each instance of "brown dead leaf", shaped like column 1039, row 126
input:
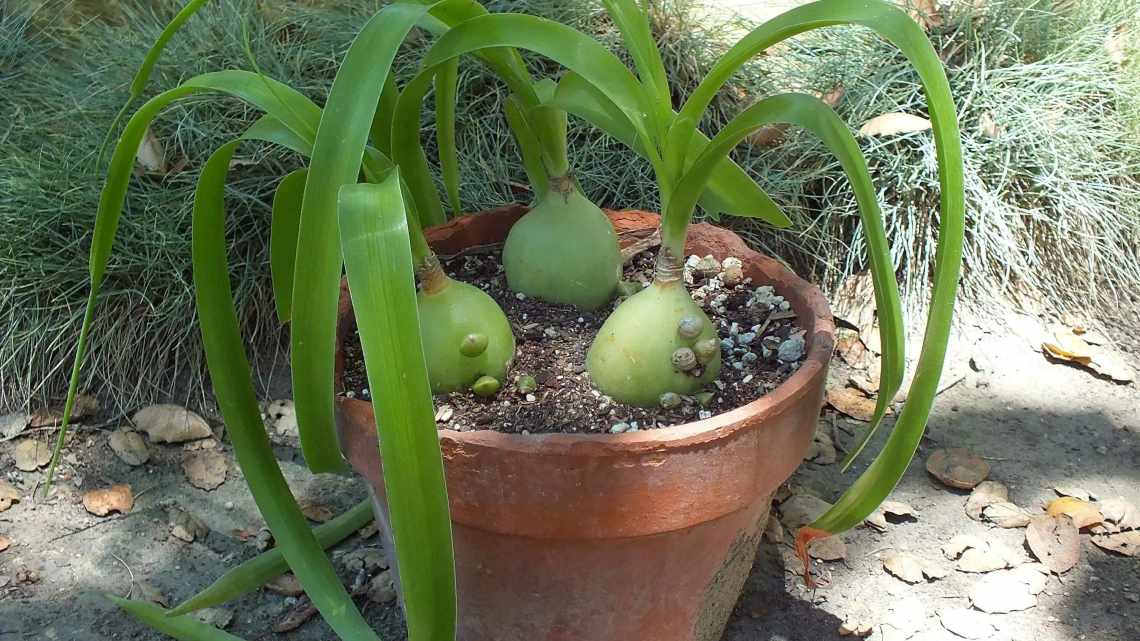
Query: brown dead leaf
column 966, row 623
column 768, row 135
column 977, row 555
column 285, row 585
column 925, row 13
column 117, row 498
column 1081, row 512
column 897, row 510
column 864, row 383
column 892, row 124
column 296, row 617
column 12, row 425
column 184, row 526
column 8, row 495
column 851, row 348
column 129, row 446
column 31, row 454
column 988, row 126
column 1126, row 543
column 1073, row 491
column 5, row 543
column 151, row 157
column 316, row 512
column 85, row 406
column 957, row 467
column 1121, row 514
column 171, row 424
column 852, row 627
column 1055, row 541
column 831, row 548
column 801, row 509
column 1005, row 515
column 854, row 302
column 152, row 593
column 904, row 566
column 1067, row 346
column 1111, row 365
column 1009, row 590
column 851, row 402
column 959, row 544
column 822, row 449
column 205, row 469
column 985, row 493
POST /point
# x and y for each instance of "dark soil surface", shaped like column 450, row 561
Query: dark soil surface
column 552, row 341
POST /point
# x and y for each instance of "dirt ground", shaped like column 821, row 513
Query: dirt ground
column 1038, row 425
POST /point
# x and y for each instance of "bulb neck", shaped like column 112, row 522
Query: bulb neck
column 669, row 267
column 431, row 275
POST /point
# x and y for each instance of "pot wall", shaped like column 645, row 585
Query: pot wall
column 638, row 536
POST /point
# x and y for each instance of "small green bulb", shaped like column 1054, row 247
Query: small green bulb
column 473, row 345
column 486, row 386
column 526, row 384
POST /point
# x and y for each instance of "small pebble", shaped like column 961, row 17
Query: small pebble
column 520, row 295
column 727, row 344
column 550, row 332
column 229, row 505
column 749, row 358
column 618, row 428
column 530, row 398
column 792, row 349
column 746, row 338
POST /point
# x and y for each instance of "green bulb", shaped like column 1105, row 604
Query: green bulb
column 638, row 354
column 564, row 251
column 465, row 336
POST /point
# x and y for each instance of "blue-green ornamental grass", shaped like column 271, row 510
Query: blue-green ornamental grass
column 327, row 221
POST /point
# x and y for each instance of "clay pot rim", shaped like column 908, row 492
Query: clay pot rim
column 819, row 332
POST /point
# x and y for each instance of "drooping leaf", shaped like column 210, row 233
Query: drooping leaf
column 378, row 261
column 183, row 628
column 338, row 151
column 283, row 239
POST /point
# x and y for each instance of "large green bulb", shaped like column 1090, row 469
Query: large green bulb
column 657, row 341
column 564, row 251
column 466, row 336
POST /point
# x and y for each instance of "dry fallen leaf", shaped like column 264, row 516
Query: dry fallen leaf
column 31, row 454
column 5, row 543
column 151, row 157
column 1073, row 491
column 822, row 449
column 1009, row 590
column 205, row 469
column 801, row 509
column 1055, row 541
column 285, row 585
column 296, row 617
column 985, row 493
column 1121, row 514
column 1083, row 513
column 925, row 13
column 11, row 425
column 959, row 544
column 1005, row 515
column 282, row 418
column 904, row 566
column 855, row 627
column 129, row 446
column 957, row 467
column 150, row 592
column 854, row 302
column 988, row 125
column 184, row 526
column 897, row 510
column 1126, row 543
column 977, row 555
column 117, row 498
column 8, row 495
column 1066, row 345
column 830, row 548
column 851, row 402
column 171, row 424
column 851, row 348
column 316, row 512
column 966, row 623
column 893, row 124
column 1111, row 365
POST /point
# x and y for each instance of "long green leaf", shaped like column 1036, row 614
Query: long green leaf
column 233, row 388
column 378, row 261
column 816, row 116
column 381, row 133
column 138, row 83
column 183, row 628
column 530, row 149
column 338, row 151
column 293, row 110
column 446, row 84
column 633, row 23
column 876, row 483
column 283, row 240
column 730, row 190
column 256, row 572
column 562, row 44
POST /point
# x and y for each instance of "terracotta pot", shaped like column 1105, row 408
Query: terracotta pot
column 644, row 536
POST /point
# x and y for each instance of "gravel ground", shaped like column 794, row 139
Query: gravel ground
column 1038, row 425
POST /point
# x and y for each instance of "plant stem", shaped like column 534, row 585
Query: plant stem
column 430, row 273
